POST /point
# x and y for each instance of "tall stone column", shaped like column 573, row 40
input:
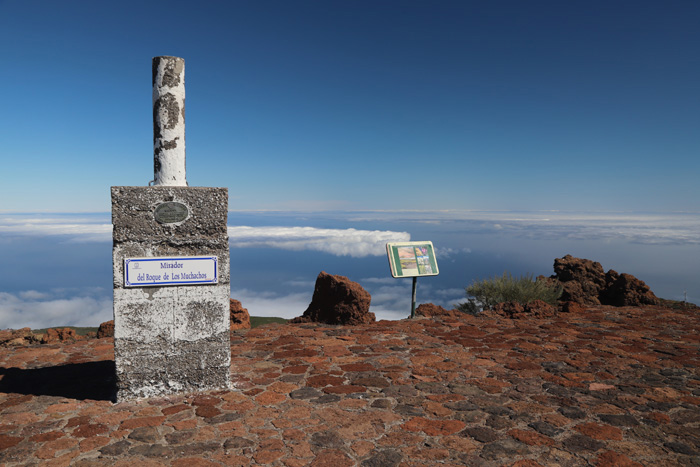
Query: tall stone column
column 169, row 121
column 170, row 336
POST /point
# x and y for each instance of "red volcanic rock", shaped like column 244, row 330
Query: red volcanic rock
column 434, row 427
column 572, row 307
column 515, row 310
column 539, row 309
column 337, row 300
column 614, row 459
column 626, row 290
column 240, row 319
column 531, row 438
column 585, row 282
column 430, row 310
column 599, row 431
column 53, row 336
column 22, row 336
column 505, row 309
column 582, row 279
column 106, row 329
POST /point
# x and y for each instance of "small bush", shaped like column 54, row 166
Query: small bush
column 256, row 321
column 486, row 293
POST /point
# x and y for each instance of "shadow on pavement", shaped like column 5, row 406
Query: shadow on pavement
column 91, row 380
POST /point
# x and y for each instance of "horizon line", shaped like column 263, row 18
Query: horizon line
column 548, row 211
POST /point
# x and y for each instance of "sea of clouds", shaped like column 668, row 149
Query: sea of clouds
column 54, row 307
column 341, row 242
column 651, row 228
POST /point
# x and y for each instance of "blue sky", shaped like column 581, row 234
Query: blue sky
column 363, row 105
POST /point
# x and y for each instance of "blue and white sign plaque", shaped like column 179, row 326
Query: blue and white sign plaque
column 180, row 270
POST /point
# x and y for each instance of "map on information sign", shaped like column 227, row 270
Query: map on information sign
column 412, row 259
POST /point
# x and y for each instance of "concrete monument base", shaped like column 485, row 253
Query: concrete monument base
column 168, row 337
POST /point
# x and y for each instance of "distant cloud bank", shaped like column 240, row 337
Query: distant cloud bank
column 646, row 228
column 676, row 228
column 35, row 309
column 80, row 229
column 340, row 242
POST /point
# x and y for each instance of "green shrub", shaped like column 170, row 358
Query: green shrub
column 256, row 321
column 486, row 293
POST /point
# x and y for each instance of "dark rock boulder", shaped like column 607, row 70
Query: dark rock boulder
column 16, row 337
column 240, row 318
column 106, row 329
column 586, row 283
column 56, row 335
column 626, row 290
column 337, row 300
column 516, row 310
column 571, row 307
column 430, row 310
column 582, row 279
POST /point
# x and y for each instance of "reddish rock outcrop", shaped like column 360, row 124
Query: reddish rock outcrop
column 430, row 310
column 240, row 318
column 515, row 310
column 106, row 329
column 572, row 307
column 582, row 279
column 337, row 300
column 56, row 335
column 11, row 337
column 626, row 290
column 586, row 283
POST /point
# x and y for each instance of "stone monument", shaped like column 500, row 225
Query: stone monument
column 171, row 265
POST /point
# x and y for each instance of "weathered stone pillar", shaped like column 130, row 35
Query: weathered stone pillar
column 169, row 121
column 171, row 334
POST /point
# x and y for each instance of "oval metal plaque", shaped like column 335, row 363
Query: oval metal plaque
column 171, row 212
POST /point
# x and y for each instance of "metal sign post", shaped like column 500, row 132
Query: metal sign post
column 413, row 297
column 412, row 259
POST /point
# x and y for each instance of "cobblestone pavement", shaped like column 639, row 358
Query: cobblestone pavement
column 610, row 387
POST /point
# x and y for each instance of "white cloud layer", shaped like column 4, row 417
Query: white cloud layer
column 646, row 228
column 676, row 228
column 272, row 304
column 392, row 300
column 76, row 228
column 59, row 308
column 340, row 242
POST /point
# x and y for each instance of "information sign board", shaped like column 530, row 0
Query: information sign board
column 412, row 259
column 181, row 270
